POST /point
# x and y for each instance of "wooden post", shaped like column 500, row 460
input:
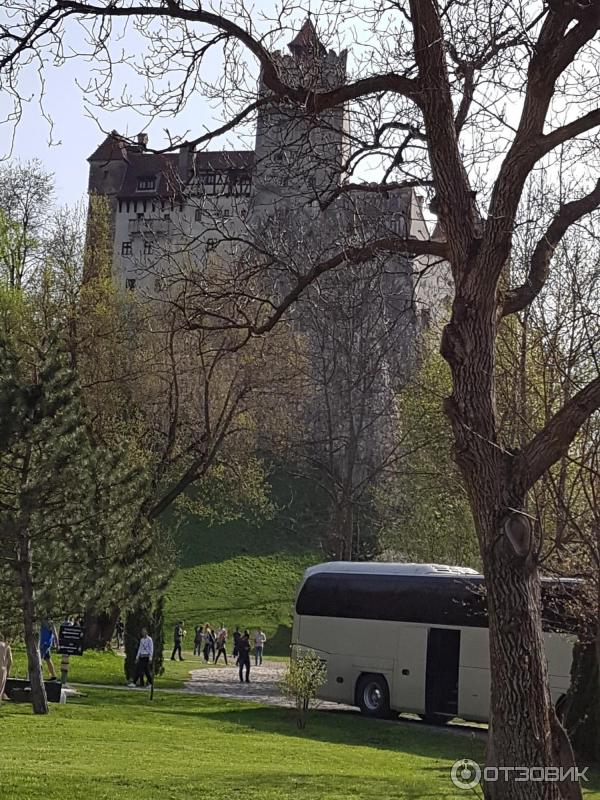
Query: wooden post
column 64, row 669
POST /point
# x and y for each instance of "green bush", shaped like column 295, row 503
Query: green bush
column 302, row 680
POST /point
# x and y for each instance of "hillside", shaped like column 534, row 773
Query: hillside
column 244, row 574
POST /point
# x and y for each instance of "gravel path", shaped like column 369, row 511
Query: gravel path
column 263, row 686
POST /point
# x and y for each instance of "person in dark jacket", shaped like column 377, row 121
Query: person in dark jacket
column 198, row 638
column 178, row 634
column 244, row 656
column 236, row 640
column 208, row 642
column 221, row 644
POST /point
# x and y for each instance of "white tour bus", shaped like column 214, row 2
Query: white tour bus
column 410, row 637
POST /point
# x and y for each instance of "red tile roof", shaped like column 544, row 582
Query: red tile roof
column 164, row 166
column 112, row 148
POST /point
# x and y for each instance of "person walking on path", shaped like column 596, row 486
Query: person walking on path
column 178, row 634
column 143, row 660
column 259, row 644
column 244, row 656
column 48, row 638
column 5, row 665
column 222, row 644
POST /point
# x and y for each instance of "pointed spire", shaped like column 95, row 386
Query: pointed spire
column 306, row 42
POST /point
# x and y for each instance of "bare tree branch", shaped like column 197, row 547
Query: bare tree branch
column 553, row 441
column 560, row 135
column 354, row 255
column 518, row 298
column 314, row 102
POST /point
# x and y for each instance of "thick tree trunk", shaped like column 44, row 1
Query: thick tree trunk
column 39, row 700
column 99, row 629
column 524, row 729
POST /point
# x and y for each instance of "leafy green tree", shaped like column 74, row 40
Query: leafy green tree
column 424, row 504
column 26, row 192
column 64, row 502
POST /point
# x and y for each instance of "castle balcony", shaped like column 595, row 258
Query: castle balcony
column 144, row 226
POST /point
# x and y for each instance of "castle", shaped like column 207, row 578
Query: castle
column 164, row 203
column 172, row 213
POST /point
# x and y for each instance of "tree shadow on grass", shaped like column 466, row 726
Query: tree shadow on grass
column 335, row 728
column 270, row 785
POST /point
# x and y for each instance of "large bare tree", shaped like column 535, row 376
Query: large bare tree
column 466, row 98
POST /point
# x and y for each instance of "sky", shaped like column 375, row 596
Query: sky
column 64, row 147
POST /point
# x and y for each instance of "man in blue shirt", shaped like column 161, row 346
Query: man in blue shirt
column 48, row 638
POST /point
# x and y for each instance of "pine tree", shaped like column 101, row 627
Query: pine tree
column 64, row 503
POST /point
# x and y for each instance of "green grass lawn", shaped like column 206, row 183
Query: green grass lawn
column 244, row 574
column 107, row 668
column 115, row 746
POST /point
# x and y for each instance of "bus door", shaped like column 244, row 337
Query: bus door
column 408, row 691
column 441, row 675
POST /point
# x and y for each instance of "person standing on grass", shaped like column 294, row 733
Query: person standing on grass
column 259, row 644
column 143, row 660
column 48, row 638
column 198, row 640
column 244, row 656
column 178, row 634
column 222, row 643
column 5, row 665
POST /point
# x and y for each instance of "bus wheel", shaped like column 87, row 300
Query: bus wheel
column 435, row 719
column 373, row 696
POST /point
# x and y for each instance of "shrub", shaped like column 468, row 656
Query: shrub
column 302, row 680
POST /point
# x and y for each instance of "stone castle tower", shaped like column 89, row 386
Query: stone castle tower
column 298, row 154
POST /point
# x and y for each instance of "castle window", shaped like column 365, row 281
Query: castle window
column 245, row 186
column 226, row 212
column 126, row 248
column 209, row 180
column 147, row 248
column 130, row 284
column 210, row 245
column 198, row 215
column 146, row 182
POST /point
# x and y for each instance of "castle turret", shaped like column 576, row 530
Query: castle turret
column 108, row 165
column 299, row 155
